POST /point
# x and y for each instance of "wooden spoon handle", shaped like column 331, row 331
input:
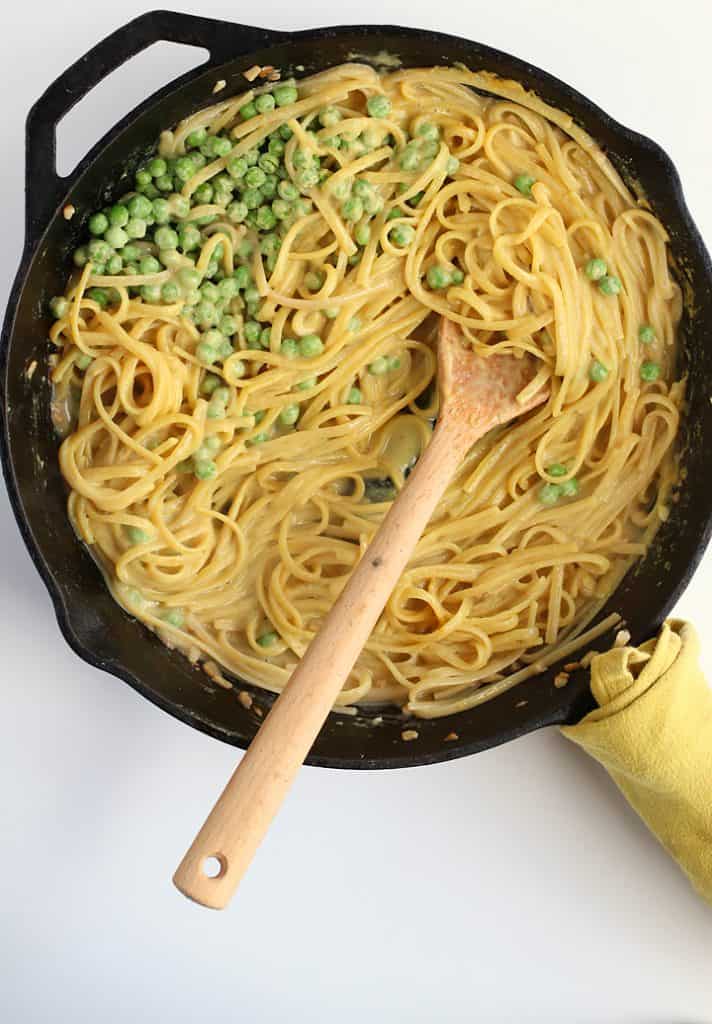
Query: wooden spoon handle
column 237, row 823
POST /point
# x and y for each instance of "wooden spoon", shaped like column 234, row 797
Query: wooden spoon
column 476, row 394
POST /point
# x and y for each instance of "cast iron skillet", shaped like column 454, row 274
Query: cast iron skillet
column 97, row 628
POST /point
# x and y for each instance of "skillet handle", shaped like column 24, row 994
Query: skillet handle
column 44, row 188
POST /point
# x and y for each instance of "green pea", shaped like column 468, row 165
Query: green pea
column 268, row 164
column 118, row 216
column 251, row 157
column 402, row 235
column 209, row 383
column 438, row 277
column 99, row 250
column 116, row 237
column 362, row 234
column 354, row 396
column 269, row 189
column 209, row 291
column 598, row 372
column 98, row 223
column 164, row 183
column 242, row 277
column 285, row 94
column 557, row 469
column 329, row 117
column 149, row 265
column 352, row 209
column 281, row 209
column 58, row 307
column 265, row 218
column 457, row 276
column 170, row 258
column 378, row 106
column 161, row 211
column 252, row 295
column 306, row 384
column 197, row 137
column 174, row 616
column 331, row 313
column 342, row 188
column 595, row 269
column 394, row 363
column 235, row 370
column 310, row 346
column 130, row 269
column 136, row 535
column 83, row 362
column 139, row 206
column 143, row 178
column 549, row 494
column 252, row 198
column 395, row 213
column 569, row 488
column 203, row 193
column 258, row 439
column 237, row 211
column 99, row 296
column 523, row 183
column 314, row 280
column 252, row 332
column 237, row 167
column 211, row 445
column 265, row 337
column 180, row 206
column 453, row 166
column 264, row 103
column 410, row 157
column 379, row 366
column 255, row 177
column 131, row 253
column 206, row 313
column 151, row 293
column 276, row 148
column 188, row 278
column 289, row 415
column 289, row 348
column 609, row 285
column 228, row 289
column 307, row 177
column 303, row 206
column 247, row 111
column 136, row 228
column 221, row 146
column 216, row 409
column 157, row 167
column 166, row 238
column 649, row 371
column 205, row 469
column 214, row 338
column 170, row 292
column 646, row 334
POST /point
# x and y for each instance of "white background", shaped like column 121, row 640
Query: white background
column 516, row 886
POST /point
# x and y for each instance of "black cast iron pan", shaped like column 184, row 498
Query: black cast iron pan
column 97, row 628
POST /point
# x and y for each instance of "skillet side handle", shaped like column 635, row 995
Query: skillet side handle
column 44, row 188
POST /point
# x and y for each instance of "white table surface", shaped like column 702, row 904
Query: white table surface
column 515, row 886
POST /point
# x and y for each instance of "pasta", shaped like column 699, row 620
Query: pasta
column 246, row 373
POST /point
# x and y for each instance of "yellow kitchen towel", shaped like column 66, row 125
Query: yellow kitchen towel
column 652, row 732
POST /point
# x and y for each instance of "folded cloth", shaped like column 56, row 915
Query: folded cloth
column 652, row 732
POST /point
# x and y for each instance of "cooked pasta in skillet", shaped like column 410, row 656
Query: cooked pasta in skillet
column 246, row 375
